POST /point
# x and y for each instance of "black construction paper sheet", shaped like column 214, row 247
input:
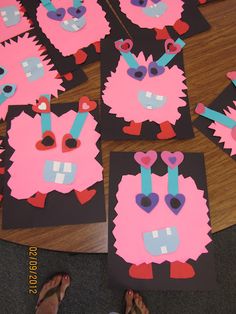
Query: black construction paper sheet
column 184, row 24
column 136, row 234
column 225, row 103
column 61, row 207
column 122, row 93
column 85, row 52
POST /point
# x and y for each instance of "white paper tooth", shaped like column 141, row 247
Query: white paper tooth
column 3, row 13
column 75, row 27
column 149, row 107
column 155, row 234
column 168, row 231
column 157, row 15
column 25, row 64
column 56, row 166
column 39, row 65
column 75, row 19
column 17, row 13
column 59, row 178
column 158, row 97
column 28, row 74
column 5, row 19
column 67, row 167
column 148, row 94
column 66, row 22
column 164, row 249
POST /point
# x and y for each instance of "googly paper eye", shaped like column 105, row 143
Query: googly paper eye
column 8, row 90
column 77, row 12
column 137, row 73
column 155, row 70
column 139, row 3
column 57, row 15
column 3, row 72
column 155, row 1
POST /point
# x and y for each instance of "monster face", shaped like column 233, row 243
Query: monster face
column 152, row 13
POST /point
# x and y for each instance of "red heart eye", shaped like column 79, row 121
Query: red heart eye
column 125, row 46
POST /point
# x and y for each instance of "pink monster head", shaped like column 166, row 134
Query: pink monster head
column 12, row 21
column 149, row 14
column 75, row 30
column 227, row 135
column 190, row 224
column 154, row 98
column 26, row 75
column 27, row 170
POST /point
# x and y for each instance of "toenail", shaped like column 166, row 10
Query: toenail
column 130, row 292
column 66, row 277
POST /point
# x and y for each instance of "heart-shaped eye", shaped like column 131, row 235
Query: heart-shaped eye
column 3, row 72
column 155, row 70
column 138, row 73
column 156, row 1
column 139, row 3
column 77, row 12
column 57, row 15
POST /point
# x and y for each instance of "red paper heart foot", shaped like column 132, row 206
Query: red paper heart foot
column 48, row 141
column 133, row 129
column 1, row 197
column 97, row 46
column 38, row 200
column 2, row 170
column 69, row 143
column 167, row 131
column 142, row 271
column 180, row 270
column 162, row 34
column 85, row 196
column 181, row 27
column 86, row 105
column 80, row 56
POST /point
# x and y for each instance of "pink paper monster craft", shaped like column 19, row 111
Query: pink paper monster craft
column 73, row 25
column 59, row 153
column 169, row 218
column 156, row 14
column 25, row 74
column 146, row 90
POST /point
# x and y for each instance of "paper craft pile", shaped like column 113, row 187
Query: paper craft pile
column 51, row 169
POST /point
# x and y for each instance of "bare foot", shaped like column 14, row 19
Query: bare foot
column 129, row 298
column 48, row 304
column 140, row 305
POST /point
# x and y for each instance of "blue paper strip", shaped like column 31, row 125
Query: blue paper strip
column 78, row 124
column 219, row 117
column 234, row 82
column 48, row 5
column 46, row 117
column 129, row 58
column 2, row 98
column 146, row 176
column 167, row 57
column 173, row 182
column 77, row 3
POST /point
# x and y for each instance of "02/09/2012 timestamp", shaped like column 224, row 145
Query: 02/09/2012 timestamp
column 33, row 267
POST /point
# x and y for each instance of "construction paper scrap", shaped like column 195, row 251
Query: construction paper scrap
column 166, row 247
column 218, row 121
column 12, row 20
column 68, row 184
column 136, row 92
column 28, row 74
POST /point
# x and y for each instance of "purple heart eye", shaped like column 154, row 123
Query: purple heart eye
column 155, row 70
column 139, row 3
column 77, row 12
column 138, row 73
column 57, row 15
column 156, row 1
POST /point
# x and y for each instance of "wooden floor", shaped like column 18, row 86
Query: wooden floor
column 208, row 57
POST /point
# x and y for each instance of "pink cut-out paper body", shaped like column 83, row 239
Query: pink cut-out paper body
column 27, row 92
column 137, row 16
column 28, row 163
column 224, row 132
column 7, row 32
column 121, row 93
column 131, row 221
column 69, row 43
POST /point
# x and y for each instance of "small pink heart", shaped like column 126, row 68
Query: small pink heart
column 233, row 133
column 124, row 46
column 171, row 47
column 172, row 160
column 146, row 160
